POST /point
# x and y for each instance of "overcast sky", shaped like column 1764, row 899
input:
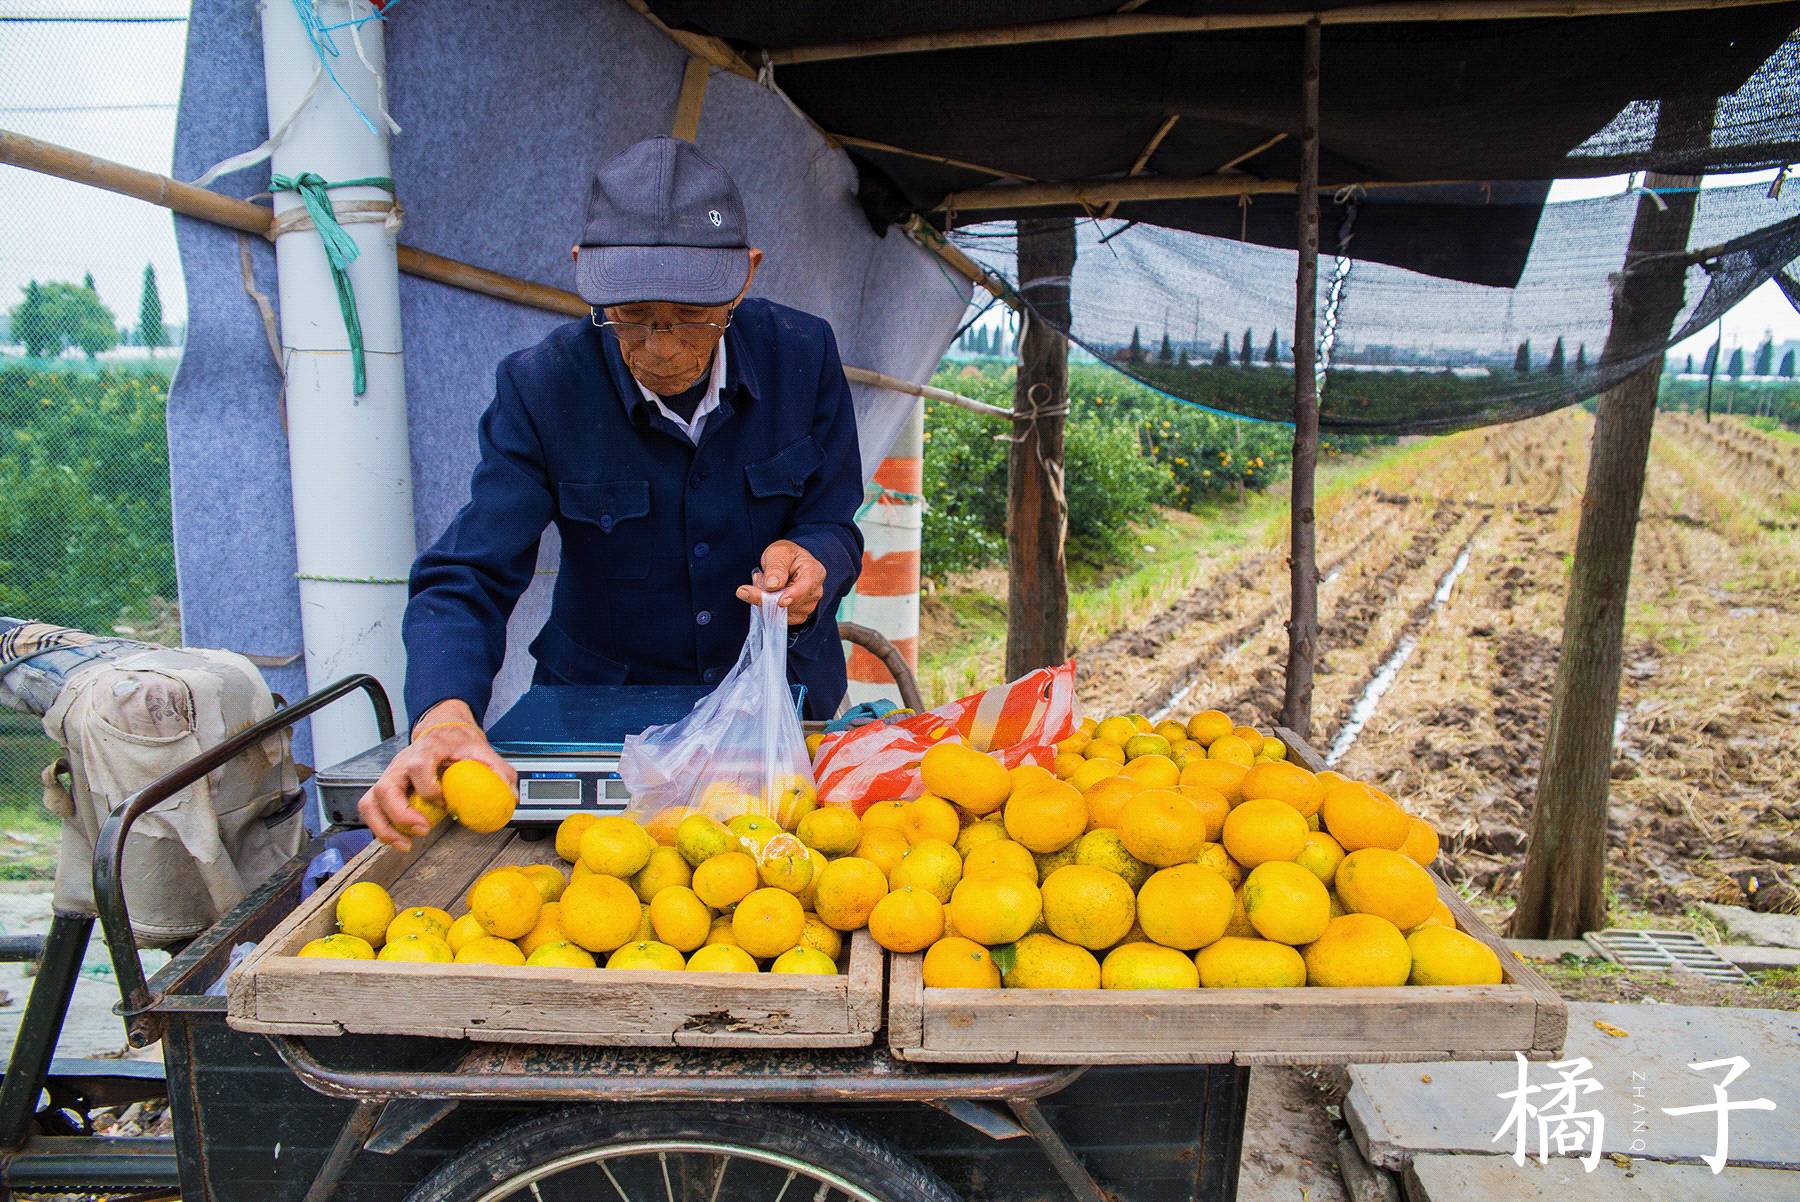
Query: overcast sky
column 110, row 89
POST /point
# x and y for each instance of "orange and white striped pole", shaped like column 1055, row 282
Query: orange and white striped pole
column 886, row 597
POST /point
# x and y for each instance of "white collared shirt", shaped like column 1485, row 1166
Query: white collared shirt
column 709, row 400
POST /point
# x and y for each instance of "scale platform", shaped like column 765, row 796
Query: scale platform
column 563, row 740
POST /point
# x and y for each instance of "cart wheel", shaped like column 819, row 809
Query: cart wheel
column 681, row 1152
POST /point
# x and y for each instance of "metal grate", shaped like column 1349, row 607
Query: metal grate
column 1663, row 950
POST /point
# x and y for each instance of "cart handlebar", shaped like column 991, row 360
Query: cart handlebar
column 142, row 1027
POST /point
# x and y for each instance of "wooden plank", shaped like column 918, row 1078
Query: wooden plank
column 1551, row 1012
column 693, row 95
column 1299, row 751
column 863, row 992
column 906, row 1004
column 279, row 993
column 1326, row 1025
column 1244, row 1026
column 443, row 878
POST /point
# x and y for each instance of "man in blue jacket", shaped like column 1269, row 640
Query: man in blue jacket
column 692, row 447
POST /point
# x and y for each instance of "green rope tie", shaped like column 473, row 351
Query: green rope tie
column 340, row 248
column 877, row 492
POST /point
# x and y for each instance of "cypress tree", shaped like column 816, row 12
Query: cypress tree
column 1272, row 355
column 1522, row 360
column 1765, row 357
column 1244, row 351
column 1581, row 358
column 1787, row 365
column 1166, row 353
column 1736, row 368
column 1135, row 354
column 1555, row 366
column 150, row 322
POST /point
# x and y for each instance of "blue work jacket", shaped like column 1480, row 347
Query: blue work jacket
column 657, row 533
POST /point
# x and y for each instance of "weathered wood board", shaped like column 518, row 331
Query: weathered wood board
column 276, row 992
column 1242, row 1026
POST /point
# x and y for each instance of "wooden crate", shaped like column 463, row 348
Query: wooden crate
column 276, row 992
column 1244, row 1026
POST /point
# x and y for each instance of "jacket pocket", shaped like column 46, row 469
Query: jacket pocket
column 786, row 472
column 620, row 511
column 562, row 660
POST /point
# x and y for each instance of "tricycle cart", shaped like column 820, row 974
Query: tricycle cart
column 384, row 1117
column 942, row 1105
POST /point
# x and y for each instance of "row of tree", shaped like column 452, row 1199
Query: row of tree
column 1762, row 365
column 985, row 342
column 1555, row 365
column 1221, row 355
column 56, row 315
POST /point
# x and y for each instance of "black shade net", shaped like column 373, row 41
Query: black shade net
column 1481, row 102
column 1400, row 352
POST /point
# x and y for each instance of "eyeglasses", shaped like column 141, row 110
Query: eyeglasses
column 634, row 332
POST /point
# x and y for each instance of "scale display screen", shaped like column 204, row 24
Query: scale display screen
column 550, row 790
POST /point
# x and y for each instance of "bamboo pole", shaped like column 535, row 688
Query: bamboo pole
column 863, row 375
column 47, row 158
column 927, row 156
column 1303, row 557
column 1143, row 160
column 925, row 235
column 700, row 45
column 1120, row 25
column 1119, row 189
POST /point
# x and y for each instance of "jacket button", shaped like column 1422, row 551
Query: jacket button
column 700, row 550
column 606, row 522
column 703, row 617
column 710, row 676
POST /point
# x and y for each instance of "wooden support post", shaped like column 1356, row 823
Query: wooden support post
column 1562, row 893
column 1303, row 565
column 693, row 95
column 1037, row 514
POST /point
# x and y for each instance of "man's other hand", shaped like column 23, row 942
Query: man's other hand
column 790, row 573
column 447, row 732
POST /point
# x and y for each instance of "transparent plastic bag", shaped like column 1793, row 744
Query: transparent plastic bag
column 739, row 751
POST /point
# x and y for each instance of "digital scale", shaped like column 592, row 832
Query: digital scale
column 563, row 740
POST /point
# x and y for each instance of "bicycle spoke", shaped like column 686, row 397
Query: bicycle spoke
column 607, row 1169
column 668, row 1186
column 792, row 1173
column 719, row 1179
column 536, row 1193
column 824, row 1188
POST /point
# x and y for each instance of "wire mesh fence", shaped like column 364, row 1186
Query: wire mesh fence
column 91, row 325
column 91, row 319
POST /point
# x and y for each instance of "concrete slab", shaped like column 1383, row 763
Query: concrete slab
column 1552, row 949
column 1748, row 926
column 1751, row 956
column 91, row 1028
column 1639, row 1055
column 1498, row 1179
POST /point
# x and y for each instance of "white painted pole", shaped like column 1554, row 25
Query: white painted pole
column 349, row 457
column 886, row 597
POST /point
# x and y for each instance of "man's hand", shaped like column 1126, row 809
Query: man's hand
column 789, row 571
column 446, row 732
